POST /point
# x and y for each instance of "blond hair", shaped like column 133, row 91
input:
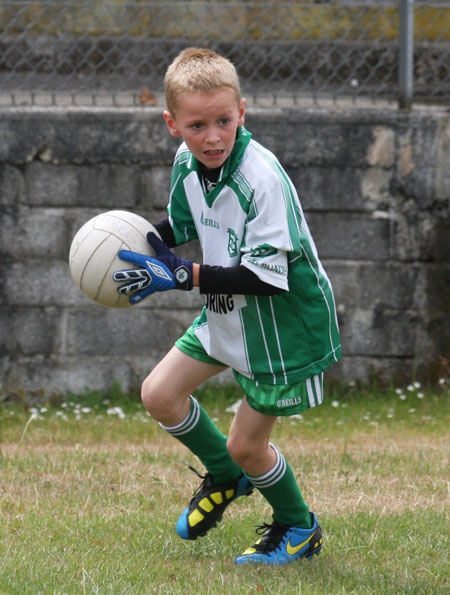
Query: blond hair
column 199, row 70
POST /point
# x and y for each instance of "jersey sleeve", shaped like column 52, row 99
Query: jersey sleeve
column 271, row 223
column 237, row 280
column 180, row 216
column 165, row 230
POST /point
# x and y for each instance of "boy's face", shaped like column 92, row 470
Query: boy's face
column 207, row 122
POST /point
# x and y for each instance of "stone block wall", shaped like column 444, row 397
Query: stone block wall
column 375, row 187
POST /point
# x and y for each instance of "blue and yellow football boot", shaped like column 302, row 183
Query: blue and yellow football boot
column 281, row 544
column 207, row 506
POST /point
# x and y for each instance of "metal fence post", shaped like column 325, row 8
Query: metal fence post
column 406, row 54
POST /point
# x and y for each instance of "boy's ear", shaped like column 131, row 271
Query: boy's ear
column 241, row 118
column 170, row 123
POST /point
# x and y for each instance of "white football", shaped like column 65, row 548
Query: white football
column 93, row 256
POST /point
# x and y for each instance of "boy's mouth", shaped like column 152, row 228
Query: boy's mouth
column 214, row 152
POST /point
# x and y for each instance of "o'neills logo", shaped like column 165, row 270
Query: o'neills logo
column 208, row 222
column 289, row 402
column 219, row 303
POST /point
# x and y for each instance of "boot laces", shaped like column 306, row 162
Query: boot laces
column 272, row 535
column 207, row 480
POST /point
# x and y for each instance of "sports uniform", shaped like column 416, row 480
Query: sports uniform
column 269, row 314
column 253, row 217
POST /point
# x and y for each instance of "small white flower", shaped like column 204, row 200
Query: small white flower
column 43, row 409
column 410, row 387
column 402, row 397
column 417, row 385
column 412, row 410
column 442, row 380
column 116, row 411
column 85, row 409
column 420, row 395
column 335, row 403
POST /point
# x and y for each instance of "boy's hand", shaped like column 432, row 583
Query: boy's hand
column 180, row 269
column 165, row 272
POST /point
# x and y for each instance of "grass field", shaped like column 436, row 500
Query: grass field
column 90, row 489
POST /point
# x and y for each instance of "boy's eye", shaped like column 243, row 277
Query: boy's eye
column 224, row 121
column 196, row 126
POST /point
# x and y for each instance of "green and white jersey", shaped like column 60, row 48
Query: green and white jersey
column 253, row 217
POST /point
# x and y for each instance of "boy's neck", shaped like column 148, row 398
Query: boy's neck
column 211, row 174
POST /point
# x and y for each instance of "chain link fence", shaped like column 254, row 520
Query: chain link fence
column 115, row 52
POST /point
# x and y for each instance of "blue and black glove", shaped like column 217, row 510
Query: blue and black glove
column 161, row 272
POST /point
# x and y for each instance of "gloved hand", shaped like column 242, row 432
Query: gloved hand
column 181, row 269
column 162, row 273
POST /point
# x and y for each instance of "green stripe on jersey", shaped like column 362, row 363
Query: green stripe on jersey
column 243, row 190
column 276, row 339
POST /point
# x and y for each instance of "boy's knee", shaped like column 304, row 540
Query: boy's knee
column 240, row 450
column 250, row 455
column 163, row 405
column 151, row 397
column 146, row 395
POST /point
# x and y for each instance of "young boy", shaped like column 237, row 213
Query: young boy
column 269, row 312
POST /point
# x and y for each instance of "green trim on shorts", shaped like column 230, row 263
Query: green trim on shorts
column 190, row 345
column 282, row 400
column 269, row 399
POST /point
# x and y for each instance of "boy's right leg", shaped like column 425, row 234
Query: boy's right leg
column 166, row 393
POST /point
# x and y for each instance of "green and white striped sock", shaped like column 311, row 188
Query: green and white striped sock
column 199, row 434
column 280, row 489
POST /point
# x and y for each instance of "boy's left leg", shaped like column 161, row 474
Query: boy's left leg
column 295, row 532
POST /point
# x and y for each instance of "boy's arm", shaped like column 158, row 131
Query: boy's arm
column 216, row 279
column 166, row 271
column 236, row 280
column 166, row 232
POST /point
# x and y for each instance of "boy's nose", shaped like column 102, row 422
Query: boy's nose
column 212, row 136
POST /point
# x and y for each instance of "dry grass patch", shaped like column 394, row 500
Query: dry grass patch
column 380, row 474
